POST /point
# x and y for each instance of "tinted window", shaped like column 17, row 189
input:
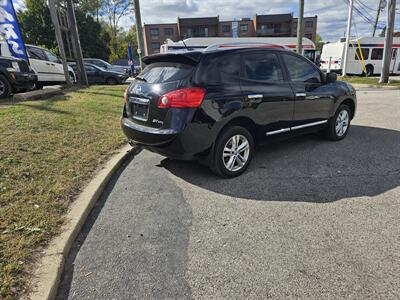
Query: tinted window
column 165, row 72
column 364, row 51
column 376, row 54
column 53, row 58
column 262, row 66
column 36, row 53
column 218, row 69
column 90, row 69
column 301, row 70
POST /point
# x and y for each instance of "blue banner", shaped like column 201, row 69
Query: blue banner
column 130, row 58
column 9, row 30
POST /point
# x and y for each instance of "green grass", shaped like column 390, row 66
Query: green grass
column 372, row 81
column 48, row 151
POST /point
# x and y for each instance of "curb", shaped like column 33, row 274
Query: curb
column 51, row 266
column 372, row 86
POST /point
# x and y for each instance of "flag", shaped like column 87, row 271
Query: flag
column 9, row 30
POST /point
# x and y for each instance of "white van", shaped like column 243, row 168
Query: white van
column 46, row 65
column 371, row 55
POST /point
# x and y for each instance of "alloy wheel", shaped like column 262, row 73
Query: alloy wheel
column 236, row 153
column 342, row 123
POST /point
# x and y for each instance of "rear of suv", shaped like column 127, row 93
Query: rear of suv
column 217, row 105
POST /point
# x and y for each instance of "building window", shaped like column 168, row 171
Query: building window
column 168, row 31
column 154, row 31
column 155, row 46
column 270, row 26
column 277, row 28
column 309, row 24
column 244, row 27
column 309, row 36
column 226, row 28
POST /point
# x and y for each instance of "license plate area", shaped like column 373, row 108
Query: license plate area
column 139, row 108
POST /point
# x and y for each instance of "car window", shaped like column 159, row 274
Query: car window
column 262, row 66
column 36, row 53
column 216, row 69
column 301, row 70
column 166, row 72
column 51, row 57
column 90, row 69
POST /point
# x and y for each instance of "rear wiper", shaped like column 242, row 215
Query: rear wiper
column 140, row 78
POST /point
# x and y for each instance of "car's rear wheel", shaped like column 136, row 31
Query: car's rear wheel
column 339, row 125
column 233, row 152
column 5, row 87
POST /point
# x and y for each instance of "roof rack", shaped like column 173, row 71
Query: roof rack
column 233, row 45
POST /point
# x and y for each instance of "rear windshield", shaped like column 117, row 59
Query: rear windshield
column 166, row 72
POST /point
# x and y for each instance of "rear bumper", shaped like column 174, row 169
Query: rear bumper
column 20, row 81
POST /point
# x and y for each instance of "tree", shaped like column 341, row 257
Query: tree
column 121, row 44
column 318, row 43
column 36, row 25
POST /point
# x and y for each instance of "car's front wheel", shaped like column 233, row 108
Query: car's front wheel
column 233, row 152
column 339, row 125
column 5, row 87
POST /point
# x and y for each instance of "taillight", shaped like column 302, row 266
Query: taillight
column 126, row 94
column 183, row 98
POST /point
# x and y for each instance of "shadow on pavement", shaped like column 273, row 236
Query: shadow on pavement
column 309, row 168
column 134, row 242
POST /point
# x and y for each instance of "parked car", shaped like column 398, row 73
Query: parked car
column 97, row 75
column 15, row 76
column 125, row 64
column 107, row 66
column 47, row 66
column 218, row 104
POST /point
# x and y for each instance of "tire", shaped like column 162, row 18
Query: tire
column 370, row 71
column 339, row 124
column 71, row 78
column 5, row 87
column 226, row 164
column 111, row 81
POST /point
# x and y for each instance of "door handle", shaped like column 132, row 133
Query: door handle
column 254, row 96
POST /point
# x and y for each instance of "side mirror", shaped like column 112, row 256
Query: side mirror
column 331, row 77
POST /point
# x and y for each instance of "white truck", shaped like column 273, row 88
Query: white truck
column 366, row 61
column 203, row 42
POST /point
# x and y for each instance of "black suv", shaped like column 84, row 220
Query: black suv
column 218, row 104
column 15, row 76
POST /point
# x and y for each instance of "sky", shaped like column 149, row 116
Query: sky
column 332, row 14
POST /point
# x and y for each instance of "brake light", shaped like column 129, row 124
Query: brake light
column 183, row 98
column 126, row 94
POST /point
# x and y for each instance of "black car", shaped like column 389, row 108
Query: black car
column 15, row 76
column 98, row 75
column 217, row 105
column 107, row 66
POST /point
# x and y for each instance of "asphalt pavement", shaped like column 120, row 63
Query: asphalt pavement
column 310, row 219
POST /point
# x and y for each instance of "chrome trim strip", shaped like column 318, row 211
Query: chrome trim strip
column 278, row 131
column 308, row 125
column 139, row 100
column 296, row 127
column 254, row 96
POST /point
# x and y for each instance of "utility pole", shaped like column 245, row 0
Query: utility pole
column 139, row 31
column 348, row 32
column 377, row 17
column 300, row 28
column 387, row 51
column 76, row 44
column 54, row 18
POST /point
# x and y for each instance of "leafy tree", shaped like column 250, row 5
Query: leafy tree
column 36, row 25
column 318, row 43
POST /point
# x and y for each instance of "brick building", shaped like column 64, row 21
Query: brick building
column 279, row 25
